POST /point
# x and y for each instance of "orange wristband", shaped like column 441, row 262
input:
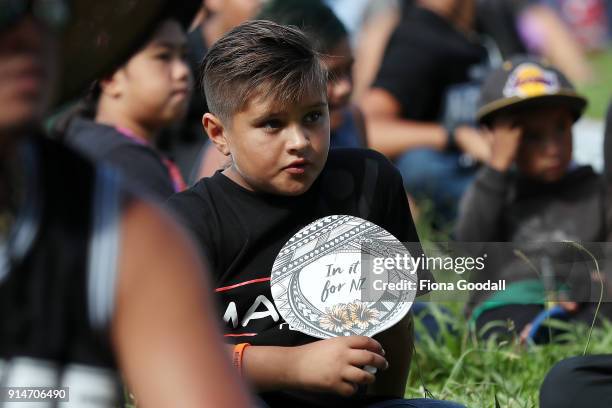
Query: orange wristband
column 237, row 355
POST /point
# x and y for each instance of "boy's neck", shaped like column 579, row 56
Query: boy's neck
column 121, row 121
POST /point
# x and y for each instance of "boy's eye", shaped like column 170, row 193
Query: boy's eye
column 271, row 124
column 313, row 117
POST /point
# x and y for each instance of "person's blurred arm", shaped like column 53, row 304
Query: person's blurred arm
column 164, row 327
column 371, row 42
column 544, row 32
column 392, row 136
column 481, row 207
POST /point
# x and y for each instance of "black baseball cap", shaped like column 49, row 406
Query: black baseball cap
column 525, row 82
column 101, row 34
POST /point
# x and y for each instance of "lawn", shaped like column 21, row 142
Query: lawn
column 599, row 91
column 461, row 368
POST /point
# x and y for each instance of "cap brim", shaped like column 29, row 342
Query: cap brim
column 103, row 34
column 575, row 102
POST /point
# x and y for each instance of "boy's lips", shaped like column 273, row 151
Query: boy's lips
column 297, row 166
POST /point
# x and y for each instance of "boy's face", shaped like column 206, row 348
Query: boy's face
column 155, row 85
column 545, row 150
column 277, row 149
column 339, row 64
column 26, row 65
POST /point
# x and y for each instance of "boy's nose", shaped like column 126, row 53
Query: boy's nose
column 297, row 140
column 552, row 147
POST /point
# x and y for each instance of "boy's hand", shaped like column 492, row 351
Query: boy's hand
column 335, row 365
column 472, row 142
column 505, row 140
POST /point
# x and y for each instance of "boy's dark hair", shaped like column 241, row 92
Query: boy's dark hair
column 313, row 17
column 260, row 57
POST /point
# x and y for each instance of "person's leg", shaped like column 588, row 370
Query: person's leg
column 416, row 403
column 578, row 382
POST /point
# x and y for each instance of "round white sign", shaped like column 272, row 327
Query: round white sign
column 332, row 279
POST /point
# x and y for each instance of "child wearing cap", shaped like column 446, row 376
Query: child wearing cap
column 530, row 192
column 266, row 91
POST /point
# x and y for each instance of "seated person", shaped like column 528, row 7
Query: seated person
column 132, row 105
column 420, row 111
column 530, row 193
column 266, row 90
column 330, row 39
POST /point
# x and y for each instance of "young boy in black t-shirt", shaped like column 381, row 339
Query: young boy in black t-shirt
column 266, row 90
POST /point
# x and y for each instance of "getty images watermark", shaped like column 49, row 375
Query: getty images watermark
column 453, row 271
column 408, row 265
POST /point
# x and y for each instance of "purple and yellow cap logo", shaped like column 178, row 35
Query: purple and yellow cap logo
column 529, row 80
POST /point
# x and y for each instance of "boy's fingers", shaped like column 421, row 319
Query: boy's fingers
column 357, row 376
column 366, row 343
column 360, row 358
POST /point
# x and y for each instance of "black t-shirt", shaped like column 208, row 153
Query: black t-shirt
column 433, row 70
column 241, row 232
column 498, row 20
column 142, row 167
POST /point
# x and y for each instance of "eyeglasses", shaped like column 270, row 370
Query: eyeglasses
column 55, row 14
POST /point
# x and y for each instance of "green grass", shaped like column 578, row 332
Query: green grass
column 461, row 368
column 599, row 91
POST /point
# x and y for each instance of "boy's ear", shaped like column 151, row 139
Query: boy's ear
column 216, row 132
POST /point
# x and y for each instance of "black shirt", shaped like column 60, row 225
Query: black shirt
column 241, row 232
column 425, row 57
column 142, row 167
column 498, row 19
